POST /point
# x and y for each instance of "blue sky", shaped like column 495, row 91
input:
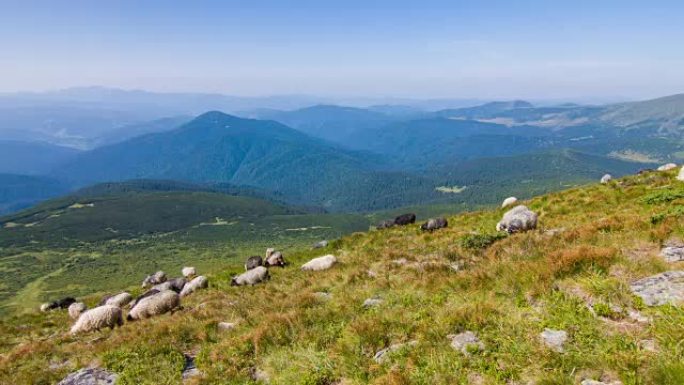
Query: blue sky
column 474, row 49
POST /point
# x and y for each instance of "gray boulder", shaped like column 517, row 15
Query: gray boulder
column 90, row 376
column 661, row 289
column 673, row 251
column 518, row 219
column 554, row 339
column 466, row 342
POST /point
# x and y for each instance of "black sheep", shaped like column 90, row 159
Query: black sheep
column 434, row 224
column 405, row 219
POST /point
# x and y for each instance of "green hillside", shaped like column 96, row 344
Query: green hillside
column 572, row 274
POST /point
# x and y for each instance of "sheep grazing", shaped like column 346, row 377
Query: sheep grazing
column 606, row 178
column 434, row 224
column 154, row 279
column 385, row 224
column 76, row 309
column 518, row 219
column 667, row 167
column 199, row 282
column 320, row 244
column 160, row 303
column 63, row 303
column 144, row 295
column 510, row 201
column 321, row 263
column 252, row 262
column 275, row 259
column 189, row 271
column 120, row 300
column 97, row 318
column 251, row 277
column 405, row 219
column 175, row 284
column 270, row 252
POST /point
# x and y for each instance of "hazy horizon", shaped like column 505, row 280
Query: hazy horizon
column 615, row 50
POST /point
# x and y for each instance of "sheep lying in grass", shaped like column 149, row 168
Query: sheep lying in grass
column 434, row 224
column 274, row 259
column 157, row 304
column 510, row 201
column 199, row 282
column 321, row 263
column 154, row 279
column 76, row 309
column 252, row 262
column 97, row 318
column 386, row 224
column 189, row 271
column 251, row 277
column 120, row 300
column 518, row 219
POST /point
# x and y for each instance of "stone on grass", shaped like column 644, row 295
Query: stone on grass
column 190, row 370
column 90, row 376
column 661, row 289
column 466, row 342
column 383, row 354
column 554, row 339
column 225, row 326
column 323, row 296
column 594, row 382
column 673, row 251
column 372, row 302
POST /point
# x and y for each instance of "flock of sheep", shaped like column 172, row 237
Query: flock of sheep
column 164, row 294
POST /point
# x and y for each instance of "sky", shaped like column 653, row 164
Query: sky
column 580, row 50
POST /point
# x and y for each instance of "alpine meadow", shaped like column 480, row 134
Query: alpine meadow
column 341, row 193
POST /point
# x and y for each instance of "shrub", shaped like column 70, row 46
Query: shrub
column 480, row 241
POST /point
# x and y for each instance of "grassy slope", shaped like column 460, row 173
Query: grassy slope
column 58, row 249
column 507, row 293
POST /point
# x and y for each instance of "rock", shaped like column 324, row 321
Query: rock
column 466, row 342
column 372, row 302
column 226, row 326
column 637, row 317
column 660, row 289
column 372, row 274
column 594, row 382
column 554, row 339
column 323, row 296
column 606, row 178
column 400, row 261
column 667, row 167
column 383, row 354
column 259, row 375
column 90, row 376
column 190, row 370
column 648, row 345
column 673, row 251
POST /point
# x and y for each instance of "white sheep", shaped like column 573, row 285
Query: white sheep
column 321, row 263
column 667, row 167
column 680, row 176
column 156, row 304
column 251, row 277
column 154, row 279
column 519, row 218
column 76, row 309
column 199, row 282
column 97, row 318
column 606, row 178
column 510, row 201
column 189, row 271
column 120, row 300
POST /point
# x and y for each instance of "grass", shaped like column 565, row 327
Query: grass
column 592, row 242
